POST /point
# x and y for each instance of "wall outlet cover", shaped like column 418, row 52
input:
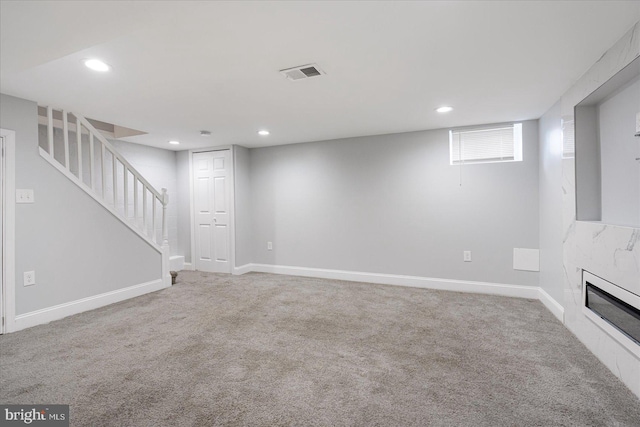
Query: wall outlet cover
column 466, row 256
column 24, row 196
column 29, row 278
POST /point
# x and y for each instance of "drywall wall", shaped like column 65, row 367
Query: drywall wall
column 242, row 188
column 619, row 150
column 76, row 248
column 393, row 204
column 183, row 205
column 550, row 187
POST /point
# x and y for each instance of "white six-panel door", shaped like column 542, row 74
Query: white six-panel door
column 211, row 188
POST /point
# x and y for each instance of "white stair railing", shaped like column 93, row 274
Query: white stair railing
column 94, row 164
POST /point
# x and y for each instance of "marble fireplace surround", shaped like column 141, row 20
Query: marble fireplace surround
column 609, row 251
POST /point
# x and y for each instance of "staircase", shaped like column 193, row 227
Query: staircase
column 80, row 152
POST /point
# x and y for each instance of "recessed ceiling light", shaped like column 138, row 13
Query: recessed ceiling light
column 174, row 142
column 96, row 65
column 205, row 133
column 444, row 109
column 263, row 132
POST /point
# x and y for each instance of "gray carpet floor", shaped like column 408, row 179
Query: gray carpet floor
column 269, row 350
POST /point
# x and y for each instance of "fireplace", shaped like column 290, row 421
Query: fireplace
column 613, row 309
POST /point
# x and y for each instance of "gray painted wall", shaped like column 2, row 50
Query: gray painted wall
column 381, row 204
column 393, row 204
column 550, row 187
column 243, row 208
column 76, row 247
column 618, row 152
column 183, row 205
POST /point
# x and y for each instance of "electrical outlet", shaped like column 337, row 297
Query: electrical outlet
column 29, row 278
column 269, row 246
column 24, row 196
column 466, row 256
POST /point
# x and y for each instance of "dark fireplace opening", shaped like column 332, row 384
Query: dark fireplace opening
column 614, row 311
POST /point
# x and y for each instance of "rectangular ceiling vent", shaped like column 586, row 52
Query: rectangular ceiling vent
column 302, row 72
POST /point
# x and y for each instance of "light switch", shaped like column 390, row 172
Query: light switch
column 24, row 196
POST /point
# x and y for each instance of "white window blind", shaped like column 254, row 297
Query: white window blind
column 486, row 144
column 568, row 139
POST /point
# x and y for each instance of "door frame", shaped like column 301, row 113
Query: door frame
column 232, row 206
column 8, row 227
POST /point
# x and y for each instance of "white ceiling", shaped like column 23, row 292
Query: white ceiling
column 179, row 67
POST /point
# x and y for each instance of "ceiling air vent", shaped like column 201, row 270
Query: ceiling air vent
column 302, row 72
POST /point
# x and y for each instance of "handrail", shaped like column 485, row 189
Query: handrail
column 115, row 152
column 138, row 222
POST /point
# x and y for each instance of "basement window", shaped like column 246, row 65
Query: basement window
column 486, row 144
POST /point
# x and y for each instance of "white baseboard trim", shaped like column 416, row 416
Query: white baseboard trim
column 552, row 305
column 247, row 268
column 60, row 311
column 399, row 280
column 188, row 266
